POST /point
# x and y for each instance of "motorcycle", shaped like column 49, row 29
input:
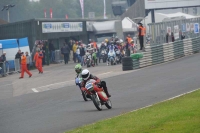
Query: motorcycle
column 103, row 56
column 89, row 61
column 78, row 81
column 111, row 57
column 118, row 56
column 97, row 95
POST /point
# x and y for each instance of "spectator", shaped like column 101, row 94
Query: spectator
column 52, row 51
column 182, row 36
column 43, row 48
column 18, row 55
column 128, row 52
column 74, row 51
column 35, row 59
column 128, row 38
column 172, row 34
column 24, row 66
column 133, row 47
column 39, row 60
column 28, row 60
column 167, row 38
column 78, row 54
column 3, row 64
column 82, row 54
column 65, row 51
column 70, row 47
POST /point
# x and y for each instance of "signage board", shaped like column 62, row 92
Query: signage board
column 196, row 28
column 50, row 27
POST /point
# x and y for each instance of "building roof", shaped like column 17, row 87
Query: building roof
column 178, row 14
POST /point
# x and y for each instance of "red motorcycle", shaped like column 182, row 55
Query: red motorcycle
column 98, row 96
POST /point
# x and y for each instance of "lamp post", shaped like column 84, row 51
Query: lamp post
column 7, row 7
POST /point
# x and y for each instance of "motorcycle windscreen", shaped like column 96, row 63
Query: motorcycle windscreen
column 102, row 95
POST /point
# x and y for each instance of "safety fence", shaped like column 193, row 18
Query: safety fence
column 188, row 27
column 163, row 53
column 9, row 67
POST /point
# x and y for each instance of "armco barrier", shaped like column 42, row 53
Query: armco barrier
column 164, row 53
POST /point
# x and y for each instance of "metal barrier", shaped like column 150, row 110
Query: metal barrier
column 164, row 53
column 58, row 56
column 17, row 65
column 158, row 31
column 3, row 68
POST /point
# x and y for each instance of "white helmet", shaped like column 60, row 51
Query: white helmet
column 85, row 74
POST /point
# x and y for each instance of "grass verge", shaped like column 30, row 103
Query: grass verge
column 180, row 115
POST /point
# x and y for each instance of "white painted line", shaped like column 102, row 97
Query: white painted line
column 105, row 73
column 55, row 84
column 34, row 90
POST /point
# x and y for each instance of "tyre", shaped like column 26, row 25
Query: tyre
column 126, row 59
column 126, row 68
column 108, row 104
column 111, row 62
column 96, row 102
column 127, row 63
column 84, row 95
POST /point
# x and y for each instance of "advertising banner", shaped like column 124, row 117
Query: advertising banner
column 176, row 32
column 196, row 28
column 183, row 28
column 192, row 27
column 187, row 26
column 169, row 30
column 49, row 27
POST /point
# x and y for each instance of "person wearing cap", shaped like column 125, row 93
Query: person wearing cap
column 24, row 66
column 141, row 35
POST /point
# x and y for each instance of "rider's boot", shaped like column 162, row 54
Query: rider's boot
column 106, row 91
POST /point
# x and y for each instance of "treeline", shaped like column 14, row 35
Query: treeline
column 25, row 10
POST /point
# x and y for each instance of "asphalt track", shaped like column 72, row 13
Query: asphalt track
column 59, row 110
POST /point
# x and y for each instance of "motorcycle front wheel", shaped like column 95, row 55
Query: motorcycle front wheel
column 96, row 102
column 108, row 104
column 84, row 94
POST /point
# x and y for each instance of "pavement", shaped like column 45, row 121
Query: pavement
column 51, row 103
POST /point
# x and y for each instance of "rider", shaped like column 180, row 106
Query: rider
column 86, row 76
column 78, row 70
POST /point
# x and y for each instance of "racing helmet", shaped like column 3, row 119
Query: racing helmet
column 78, row 68
column 85, row 74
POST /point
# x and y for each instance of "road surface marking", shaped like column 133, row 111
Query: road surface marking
column 105, row 73
column 34, row 90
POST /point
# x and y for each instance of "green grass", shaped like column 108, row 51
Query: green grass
column 180, row 115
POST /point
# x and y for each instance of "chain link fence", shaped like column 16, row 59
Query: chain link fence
column 158, row 31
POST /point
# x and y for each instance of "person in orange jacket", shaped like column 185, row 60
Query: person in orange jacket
column 24, row 67
column 39, row 61
column 36, row 59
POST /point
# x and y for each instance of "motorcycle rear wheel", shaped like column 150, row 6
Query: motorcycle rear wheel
column 96, row 102
column 108, row 104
